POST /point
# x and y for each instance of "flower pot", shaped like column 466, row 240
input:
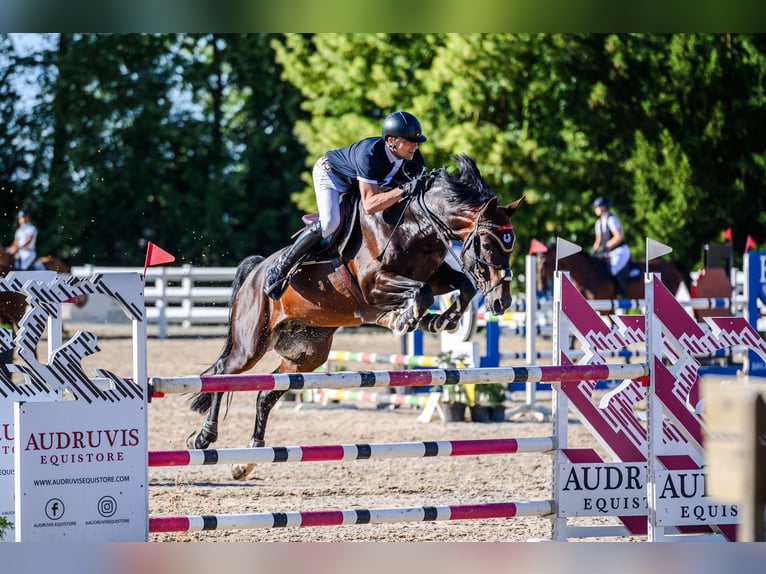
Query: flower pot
column 497, row 413
column 479, row 414
column 454, row 412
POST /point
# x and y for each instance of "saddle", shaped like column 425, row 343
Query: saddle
column 336, row 244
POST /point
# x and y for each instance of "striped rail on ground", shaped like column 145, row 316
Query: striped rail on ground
column 349, row 517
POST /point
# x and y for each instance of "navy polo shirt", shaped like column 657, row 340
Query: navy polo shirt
column 366, row 160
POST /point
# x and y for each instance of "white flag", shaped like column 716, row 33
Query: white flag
column 655, row 249
column 565, row 248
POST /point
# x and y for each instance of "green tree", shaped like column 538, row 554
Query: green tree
column 184, row 140
column 15, row 137
column 203, row 143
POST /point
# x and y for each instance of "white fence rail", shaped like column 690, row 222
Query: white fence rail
column 195, row 296
column 183, row 295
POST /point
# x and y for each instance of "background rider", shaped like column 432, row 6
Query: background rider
column 610, row 241
column 24, row 243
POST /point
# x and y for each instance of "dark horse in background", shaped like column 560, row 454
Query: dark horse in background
column 385, row 269
column 13, row 305
column 592, row 277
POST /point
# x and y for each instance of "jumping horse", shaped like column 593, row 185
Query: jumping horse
column 592, row 277
column 384, row 269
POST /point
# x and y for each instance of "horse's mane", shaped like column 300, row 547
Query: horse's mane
column 466, row 187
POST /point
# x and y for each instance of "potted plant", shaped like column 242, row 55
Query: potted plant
column 455, row 400
column 489, row 404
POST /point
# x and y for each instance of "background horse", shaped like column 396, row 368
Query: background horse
column 47, row 262
column 13, row 305
column 387, row 270
column 592, row 277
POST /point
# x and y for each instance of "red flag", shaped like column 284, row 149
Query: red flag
column 727, row 234
column 537, row 247
column 749, row 244
column 156, row 255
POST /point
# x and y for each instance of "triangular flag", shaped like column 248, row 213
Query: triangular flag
column 156, row 255
column 655, row 249
column 749, row 244
column 537, row 247
column 727, row 234
column 565, row 248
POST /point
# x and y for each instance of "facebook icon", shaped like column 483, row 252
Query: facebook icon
column 54, row 509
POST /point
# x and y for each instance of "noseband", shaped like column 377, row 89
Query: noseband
column 504, row 237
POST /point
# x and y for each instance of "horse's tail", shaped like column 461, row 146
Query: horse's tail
column 201, row 401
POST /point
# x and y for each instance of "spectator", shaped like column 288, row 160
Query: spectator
column 24, row 243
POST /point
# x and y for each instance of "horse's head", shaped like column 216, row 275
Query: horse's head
column 486, row 253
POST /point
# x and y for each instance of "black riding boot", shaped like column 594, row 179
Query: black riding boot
column 276, row 278
column 620, row 279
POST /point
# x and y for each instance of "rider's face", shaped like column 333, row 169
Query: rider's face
column 404, row 149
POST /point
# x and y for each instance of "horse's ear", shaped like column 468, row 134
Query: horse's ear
column 490, row 206
column 512, row 207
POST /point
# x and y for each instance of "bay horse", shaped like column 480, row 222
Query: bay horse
column 386, row 270
column 592, row 277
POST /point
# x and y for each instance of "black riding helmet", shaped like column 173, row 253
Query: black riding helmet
column 403, row 125
column 602, row 202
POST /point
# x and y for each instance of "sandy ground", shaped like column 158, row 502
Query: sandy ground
column 284, row 487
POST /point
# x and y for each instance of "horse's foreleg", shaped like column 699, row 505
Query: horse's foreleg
column 445, row 280
column 265, row 402
column 392, row 290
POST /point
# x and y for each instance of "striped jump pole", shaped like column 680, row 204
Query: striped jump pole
column 318, row 453
column 407, row 378
column 349, row 517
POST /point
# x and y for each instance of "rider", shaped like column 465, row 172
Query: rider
column 24, row 240
column 373, row 167
column 610, row 241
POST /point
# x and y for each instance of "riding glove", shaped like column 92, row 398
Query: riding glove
column 412, row 187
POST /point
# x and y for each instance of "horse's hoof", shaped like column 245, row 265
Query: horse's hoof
column 240, row 471
column 200, row 440
column 406, row 324
column 452, row 328
column 191, row 441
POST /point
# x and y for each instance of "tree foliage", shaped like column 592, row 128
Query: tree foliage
column 203, row 143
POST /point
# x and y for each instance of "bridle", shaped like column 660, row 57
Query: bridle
column 501, row 234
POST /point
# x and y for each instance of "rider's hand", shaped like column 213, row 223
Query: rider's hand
column 412, row 187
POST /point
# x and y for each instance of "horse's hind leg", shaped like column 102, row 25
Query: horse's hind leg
column 265, row 402
column 210, row 402
column 303, row 349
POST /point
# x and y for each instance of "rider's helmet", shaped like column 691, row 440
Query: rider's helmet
column 24, row 213
column 403, row 125
column 602, row 202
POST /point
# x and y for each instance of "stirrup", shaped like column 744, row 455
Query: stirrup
column 276, row 289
